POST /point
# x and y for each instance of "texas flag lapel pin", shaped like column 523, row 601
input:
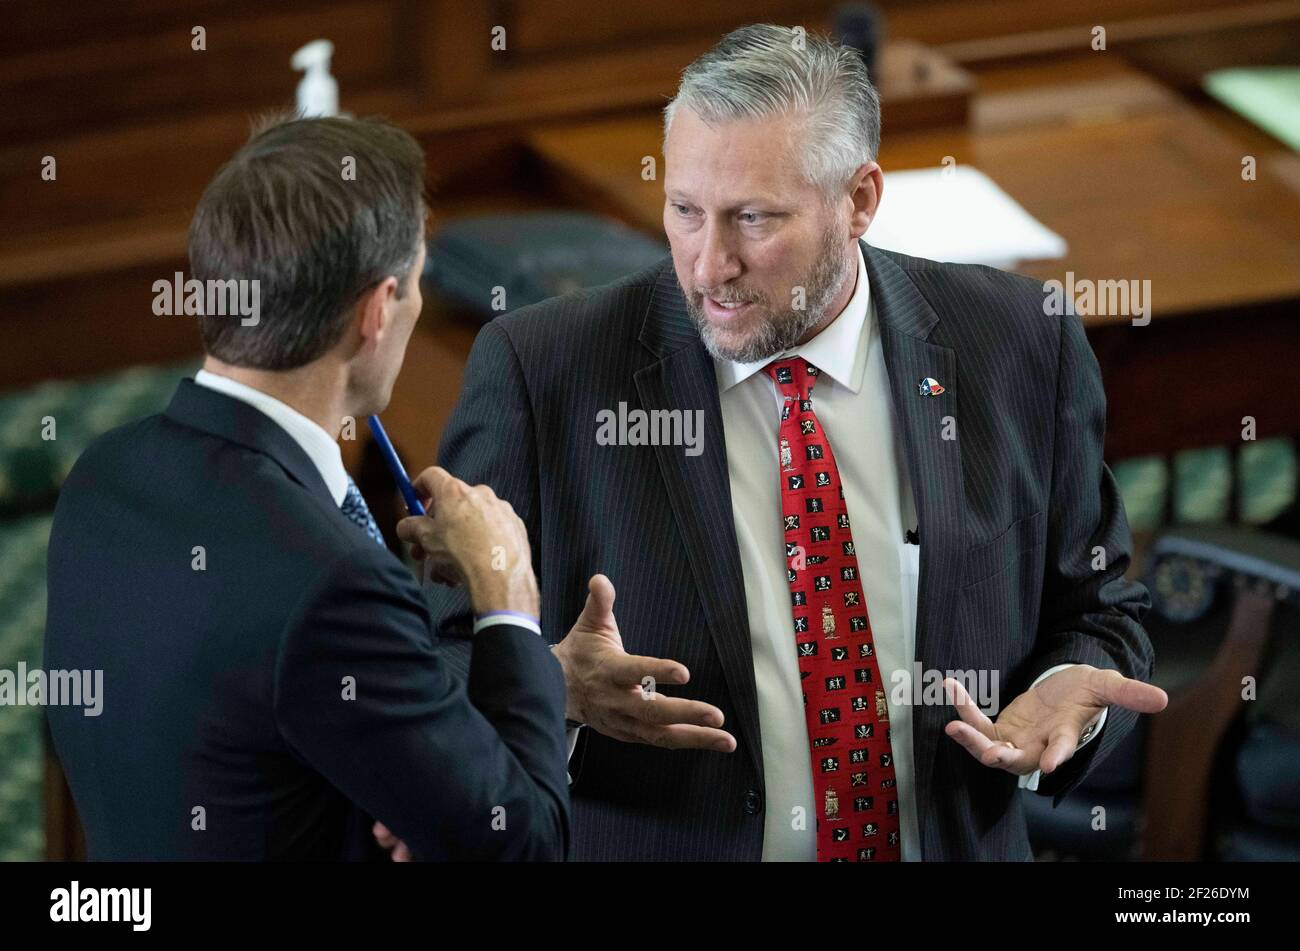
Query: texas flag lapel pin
column 930, row 387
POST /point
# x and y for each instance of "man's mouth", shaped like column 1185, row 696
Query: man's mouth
column 725, row 309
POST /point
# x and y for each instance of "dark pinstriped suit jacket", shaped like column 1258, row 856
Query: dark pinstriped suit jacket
column 1009, row 513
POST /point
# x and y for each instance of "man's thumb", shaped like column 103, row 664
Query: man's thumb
column 599, row 610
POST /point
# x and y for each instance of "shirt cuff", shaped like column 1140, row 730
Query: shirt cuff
column 571, row 734
column 1092, row 728
column 571, row 731
column 507, row 617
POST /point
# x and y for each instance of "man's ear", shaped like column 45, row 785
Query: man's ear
column 373, row 319
column 865, row 188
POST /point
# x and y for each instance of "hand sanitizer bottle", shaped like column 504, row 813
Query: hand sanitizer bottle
column 318, row 92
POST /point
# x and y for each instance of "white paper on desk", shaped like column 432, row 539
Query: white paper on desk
column 958, row 214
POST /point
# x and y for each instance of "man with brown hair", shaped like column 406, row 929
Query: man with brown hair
column 271, row 680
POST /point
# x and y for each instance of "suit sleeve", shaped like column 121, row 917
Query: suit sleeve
column 458, row 769
column 1089, row 615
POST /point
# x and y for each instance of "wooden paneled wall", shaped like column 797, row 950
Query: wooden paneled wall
column 138, row 120
column 83, row 65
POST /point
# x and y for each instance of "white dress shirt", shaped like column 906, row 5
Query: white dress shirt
column 853, row 405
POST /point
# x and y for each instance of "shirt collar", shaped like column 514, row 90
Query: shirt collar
column 839, row 351
column 320, row 446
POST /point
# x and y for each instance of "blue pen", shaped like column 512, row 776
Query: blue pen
column 395, row 467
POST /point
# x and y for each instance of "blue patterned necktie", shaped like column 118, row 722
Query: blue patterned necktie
column 358, row 513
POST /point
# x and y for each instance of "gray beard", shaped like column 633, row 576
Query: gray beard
column 778, row 331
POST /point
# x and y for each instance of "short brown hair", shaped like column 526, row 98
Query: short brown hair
column 317, row 211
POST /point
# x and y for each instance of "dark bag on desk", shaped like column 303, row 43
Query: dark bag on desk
column 493, row 264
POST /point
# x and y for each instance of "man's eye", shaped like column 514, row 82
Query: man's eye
column 751, row 217
column 681, row 210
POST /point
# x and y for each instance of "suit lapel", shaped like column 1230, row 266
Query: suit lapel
column 906, row 320
column 699, row 491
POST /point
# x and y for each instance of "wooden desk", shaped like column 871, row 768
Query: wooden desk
column 1141, row 185
column 1139, row 190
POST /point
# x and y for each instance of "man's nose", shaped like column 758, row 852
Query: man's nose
column 716, row 263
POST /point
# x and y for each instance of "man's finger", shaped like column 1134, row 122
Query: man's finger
column 431, row 482
column 401, row 853
column 408, row 529
column 1114, row 689
column 656, row 709
column 681, row 736
column 966, row 708
column 624, row 728
column 617, row 727
column 631, row 670
column 972, row 740
column 1060, row 747
column 383, row 836
column 598, row 611
column 989, row 752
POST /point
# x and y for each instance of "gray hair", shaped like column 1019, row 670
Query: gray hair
column 760, row 71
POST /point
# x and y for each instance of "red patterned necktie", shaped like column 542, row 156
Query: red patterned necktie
column 844, row 699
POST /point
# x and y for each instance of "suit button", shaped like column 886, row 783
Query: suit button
column 753, row 802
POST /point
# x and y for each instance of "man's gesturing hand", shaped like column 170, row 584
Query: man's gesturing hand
column 1041, row 728
column 616, row 692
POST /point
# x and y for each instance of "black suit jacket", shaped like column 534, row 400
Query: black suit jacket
column 254, row 707
column 1009, row 512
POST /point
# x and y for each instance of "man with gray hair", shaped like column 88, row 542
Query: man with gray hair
column 901, row 475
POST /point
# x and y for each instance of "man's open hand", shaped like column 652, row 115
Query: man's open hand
column 617, row 693
column 1041, row 728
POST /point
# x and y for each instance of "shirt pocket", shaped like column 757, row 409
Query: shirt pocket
column 987, row 559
